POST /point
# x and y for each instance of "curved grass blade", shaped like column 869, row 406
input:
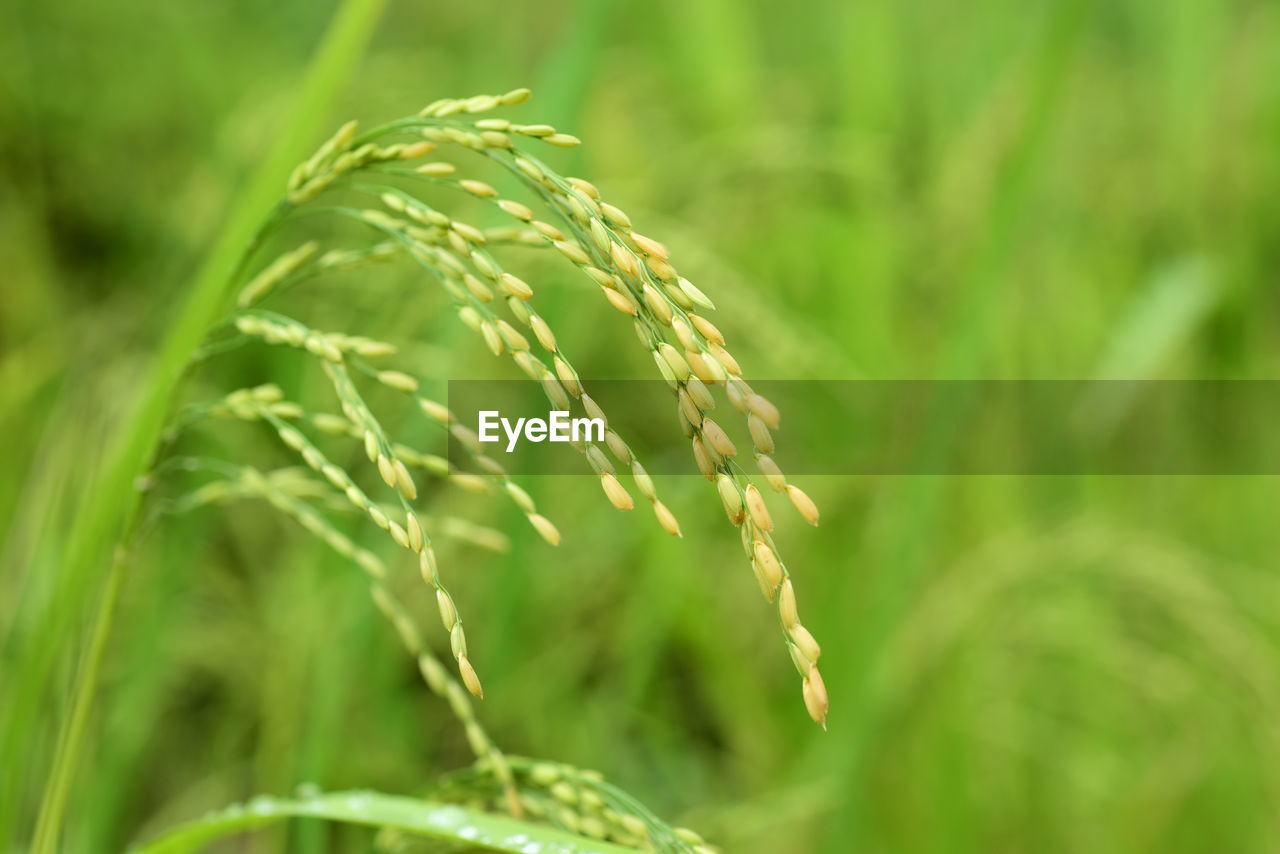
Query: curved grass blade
column 482, row 831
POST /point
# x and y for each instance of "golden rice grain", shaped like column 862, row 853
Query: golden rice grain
column 719, row 440
column 804, row 504
column 815, row 696
column 787, row 604
column 545, row 528
column 666, row 519
column 469, row 677
column 614, row 491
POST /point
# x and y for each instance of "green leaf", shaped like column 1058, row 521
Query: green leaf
column 480, row 830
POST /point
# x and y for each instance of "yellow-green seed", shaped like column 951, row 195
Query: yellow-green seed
column 787, row 604
column 757, row 508
column 760, row 435
column 515, row 209
column 398, row 381
column 516, row 286
column 562, row 140
column 804, row 504
column 545, row 528
column 730, row 497
column 438, row 169
column 469, row 677
column 679, row 367
column 542, row 332
column 404, row 480
column 666, row 518
column 478, row 188
column 763, row 409
column 805, row 643
column 614, row 491
column 719, row 441
column 767, row 562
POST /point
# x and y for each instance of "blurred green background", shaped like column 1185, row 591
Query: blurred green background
column 869, row 189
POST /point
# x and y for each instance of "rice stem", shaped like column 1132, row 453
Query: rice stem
column 113, row 506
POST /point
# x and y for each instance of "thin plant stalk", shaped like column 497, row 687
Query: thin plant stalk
column 112, row 509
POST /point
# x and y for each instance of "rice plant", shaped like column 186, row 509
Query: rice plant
column 394, row 183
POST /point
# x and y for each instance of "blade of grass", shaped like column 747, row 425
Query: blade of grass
column 473, row 830
column 112, row 506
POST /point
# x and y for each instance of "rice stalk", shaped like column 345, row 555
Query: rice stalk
column 637, row 277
